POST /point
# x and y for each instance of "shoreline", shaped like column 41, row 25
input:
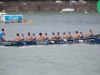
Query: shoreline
column 47, row 6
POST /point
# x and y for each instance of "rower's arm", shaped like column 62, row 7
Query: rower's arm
column 14, row 40
column 88, row 34
column 19, row 39
column 26, row 39
column 4, row 33
column 54, row 37
column 37, row 39
column 34, row 38
column 31, row 38
column 43, row 37
column 48, row 37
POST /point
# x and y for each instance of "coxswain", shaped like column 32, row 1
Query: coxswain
column 53, row 37
column 77, row 36
column 41, row 37
column 30, row 38
column 2, row 33
column 18, row 38
column 89, row 35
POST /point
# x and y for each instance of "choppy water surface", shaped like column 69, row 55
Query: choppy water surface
column 74, row 59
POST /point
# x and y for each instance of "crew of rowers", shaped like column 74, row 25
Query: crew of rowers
column 54, row 36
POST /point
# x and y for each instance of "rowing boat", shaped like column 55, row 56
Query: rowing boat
column 92, row 40
column 26, row 43
column 29, row 22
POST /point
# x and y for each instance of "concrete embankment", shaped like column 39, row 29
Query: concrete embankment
column 46, row 6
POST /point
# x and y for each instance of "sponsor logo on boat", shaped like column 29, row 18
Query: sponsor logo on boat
column 13, row 18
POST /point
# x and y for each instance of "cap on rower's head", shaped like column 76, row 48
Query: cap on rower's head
column 46, row 33
column 33, row 33
column 53, row 33
column 57, row 32
column 90, row 30
column 64, row 33
column 80, row 32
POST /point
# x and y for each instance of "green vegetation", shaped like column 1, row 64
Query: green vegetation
column 98, row 6
column 38, row 0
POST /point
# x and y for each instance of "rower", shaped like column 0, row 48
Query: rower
column 81, row 36
column 41, row 38
column 69, row 35
column 57, row 36
column 30, row 38
column 77, row 36
column 90, row 34
column 18, row 38
column 34, row 37
column 64, row 37
column 2, row 33
column 22, row 37
column 46, row 37
column 53, row 37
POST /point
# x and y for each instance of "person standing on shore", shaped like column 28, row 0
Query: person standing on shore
column 2, row 33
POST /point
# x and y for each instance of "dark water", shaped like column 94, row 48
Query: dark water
column 74, row 59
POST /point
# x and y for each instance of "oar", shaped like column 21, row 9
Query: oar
column 96, row 35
